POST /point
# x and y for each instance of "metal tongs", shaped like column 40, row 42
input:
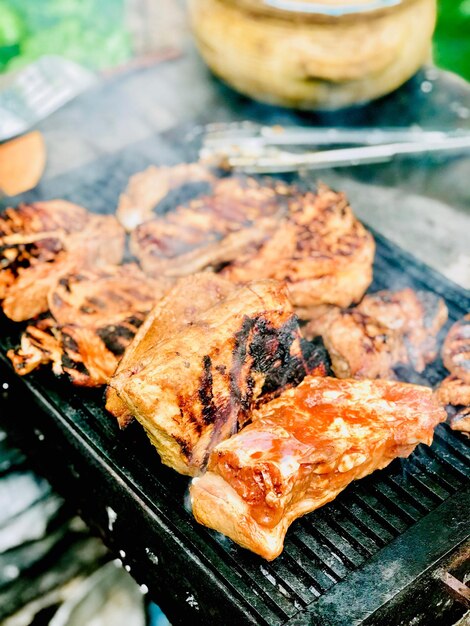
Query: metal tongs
column 256, row 149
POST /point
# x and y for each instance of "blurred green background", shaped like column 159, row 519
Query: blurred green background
column 94, row 33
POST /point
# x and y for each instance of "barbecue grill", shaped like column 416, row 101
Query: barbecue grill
column 390, row 549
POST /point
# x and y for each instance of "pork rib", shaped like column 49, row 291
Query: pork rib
column 304, row 448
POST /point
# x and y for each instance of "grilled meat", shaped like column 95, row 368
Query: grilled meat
column 461, row 420
column 252, row 230
column 147, row 189
column 42, row 241
column 212, row 230
column 43, row 217
column 455, row 389
column 319, row 248
column 385, row 329
column 94, row 315
column 304, row 448
column 456, row 349
column 190, row 297
column 193, row 387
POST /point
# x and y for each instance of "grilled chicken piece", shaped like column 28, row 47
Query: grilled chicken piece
column 147, row 189
column 193, row 387
column 320, row 249
column 385, row 329
column 94, row 316
column 57, row 237
column 455, row 389
column 303, row 449
column 212, row 230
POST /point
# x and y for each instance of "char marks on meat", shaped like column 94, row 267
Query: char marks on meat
column 194, row 387
column 94, row 315
column 212, row 230
column 39, row 242
column 304, row 448
column 319, row 248
column 385, row 329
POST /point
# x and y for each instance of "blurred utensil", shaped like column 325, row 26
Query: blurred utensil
column 33, row 93
column 252, row 148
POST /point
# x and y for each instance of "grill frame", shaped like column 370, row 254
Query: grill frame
column 331, row 554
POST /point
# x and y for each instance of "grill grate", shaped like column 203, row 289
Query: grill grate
column 323, row 548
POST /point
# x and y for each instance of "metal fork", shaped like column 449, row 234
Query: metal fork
column 38, row 90
column 253, row 148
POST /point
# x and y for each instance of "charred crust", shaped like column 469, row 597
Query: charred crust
column 70, row 365
column 69, row 343
column 206, row 395
column 65, row 283
column 184, row 445
column 111, row 336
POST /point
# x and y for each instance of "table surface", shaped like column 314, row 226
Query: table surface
column 423, row 207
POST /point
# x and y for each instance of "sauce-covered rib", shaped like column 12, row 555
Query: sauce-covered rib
column 304, row 448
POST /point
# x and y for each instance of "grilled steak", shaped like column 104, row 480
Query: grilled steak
column 94, row 315
column 304, row 448
column 42, row 241
column 195, row 386
column 385, row 329
column 320, row 249
column 147, row 189
column 455, row 389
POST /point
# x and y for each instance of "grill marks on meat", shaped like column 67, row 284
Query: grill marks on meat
column 304, row 448
column 147, row 189
column 251, row 231
column 319, row 248
column 42, row 217
column 193, row 388
column 94, row 315
column 212, row 230
column 455, row 389
column 40, row 242
column 385, row 329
